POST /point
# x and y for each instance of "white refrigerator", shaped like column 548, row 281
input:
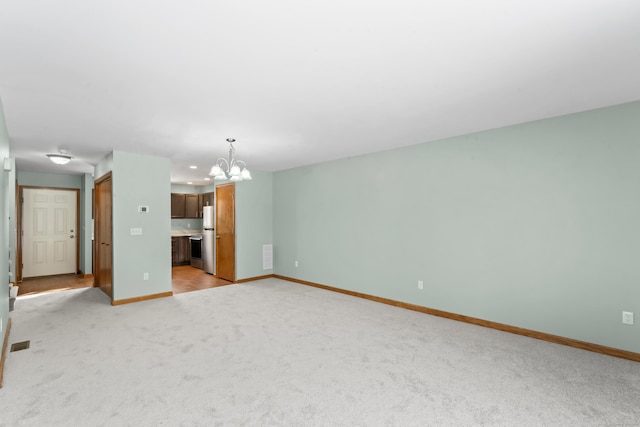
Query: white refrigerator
column 208, row 240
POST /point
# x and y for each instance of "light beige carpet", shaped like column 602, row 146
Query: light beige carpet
column 273, row 353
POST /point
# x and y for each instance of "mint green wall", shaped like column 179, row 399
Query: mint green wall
column 6, row 210
column 103, row 167
column 82, row 182
column 56, row 180
column 535, row 225
column 186, row 189
column 208, row 188
column 151, row 251
column 254, row 223
column 86, row 221
column 193, row 224
column 192, row 189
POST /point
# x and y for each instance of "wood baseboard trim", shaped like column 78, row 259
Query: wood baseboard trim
column 597, row 348
column 5, row 345
column 87, row 276
column 142, row 298
column 251, row 279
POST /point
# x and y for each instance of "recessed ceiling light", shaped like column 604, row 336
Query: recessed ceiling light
column 189, row 182
column 207, row 179
column 193, row 167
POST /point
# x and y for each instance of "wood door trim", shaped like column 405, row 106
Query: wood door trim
column 141, row 298
column 101, row 179
column 5, row 344
column 19, row 204
column 251, row 279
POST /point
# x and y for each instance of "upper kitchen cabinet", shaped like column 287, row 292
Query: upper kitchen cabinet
column 177, row 205
column 191, row 206
column 206, row 199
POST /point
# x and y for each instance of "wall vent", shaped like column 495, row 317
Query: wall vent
column 20, row 345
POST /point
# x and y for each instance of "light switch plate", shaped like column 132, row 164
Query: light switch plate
column 627, row 317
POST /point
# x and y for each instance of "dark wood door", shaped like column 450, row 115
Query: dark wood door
column 225, row 232
column 103, row 235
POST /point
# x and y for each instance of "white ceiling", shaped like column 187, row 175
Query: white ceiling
column 298, row 82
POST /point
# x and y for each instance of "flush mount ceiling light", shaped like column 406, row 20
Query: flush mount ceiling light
column 61, row 158
column 231, row 169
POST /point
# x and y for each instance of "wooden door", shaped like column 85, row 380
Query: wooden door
column 103, row 235
column 50, row 225
column 225, row 232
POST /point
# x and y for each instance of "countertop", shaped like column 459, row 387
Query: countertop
column 184, row 233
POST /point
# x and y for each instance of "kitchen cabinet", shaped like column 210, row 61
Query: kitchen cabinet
column 205, row 199
column 191, row 206
column 177, row 205
column 180, row 250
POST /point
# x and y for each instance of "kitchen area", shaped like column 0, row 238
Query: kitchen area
column 193, row 240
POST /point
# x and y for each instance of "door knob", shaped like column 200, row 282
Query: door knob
column 217, row 237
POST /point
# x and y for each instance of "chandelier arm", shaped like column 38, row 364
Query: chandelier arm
column 222, row 162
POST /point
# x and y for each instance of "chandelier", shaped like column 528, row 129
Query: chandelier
column 231, row 169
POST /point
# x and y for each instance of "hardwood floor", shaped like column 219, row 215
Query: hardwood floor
column 183, row 279
column 37, row 285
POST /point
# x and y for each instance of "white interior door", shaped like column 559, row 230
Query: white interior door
column 49, row 226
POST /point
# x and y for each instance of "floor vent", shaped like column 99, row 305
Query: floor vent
column 20, row 346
